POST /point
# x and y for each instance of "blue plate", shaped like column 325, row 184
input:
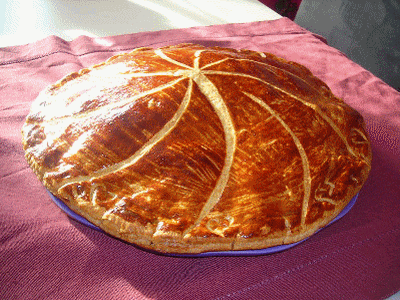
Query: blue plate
column 256, row 252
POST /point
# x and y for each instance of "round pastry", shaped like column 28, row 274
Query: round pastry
column 190, row 149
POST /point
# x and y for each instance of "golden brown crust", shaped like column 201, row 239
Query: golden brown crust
column 187, row 149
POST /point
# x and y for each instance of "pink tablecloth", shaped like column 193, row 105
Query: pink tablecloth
column 46, row 255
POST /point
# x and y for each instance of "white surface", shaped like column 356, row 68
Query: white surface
column 25, row 21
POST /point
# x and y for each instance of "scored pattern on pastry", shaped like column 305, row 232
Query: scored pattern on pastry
column 303, row 155
column 313, row 106
column 55, row 132
column 198, row 75
column 171, row 124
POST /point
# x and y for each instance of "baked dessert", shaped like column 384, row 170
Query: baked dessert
column 189, row 149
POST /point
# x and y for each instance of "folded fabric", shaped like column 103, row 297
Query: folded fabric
column 286, row 8
column 46, row 255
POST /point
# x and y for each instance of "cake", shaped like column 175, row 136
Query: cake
column 192, row 149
